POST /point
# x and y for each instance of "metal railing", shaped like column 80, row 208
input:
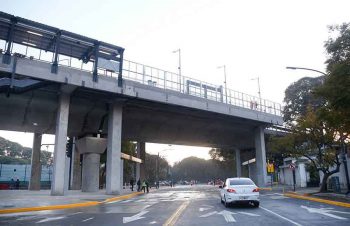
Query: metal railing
column 159, row 78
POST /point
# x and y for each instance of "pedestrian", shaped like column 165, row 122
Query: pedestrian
column 12, row 184
column 17, row 184
column 143, row 186
column 138, row 185
column 147, row 186
column 132, row 184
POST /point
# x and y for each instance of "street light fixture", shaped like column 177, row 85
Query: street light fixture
column 224, row 67
column 304, row 68
column 179, row 67
column 259, row 91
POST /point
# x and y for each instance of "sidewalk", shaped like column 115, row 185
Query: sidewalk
column 24, row 200
column 312, row 194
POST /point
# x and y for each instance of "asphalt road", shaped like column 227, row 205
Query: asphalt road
column 186, row 205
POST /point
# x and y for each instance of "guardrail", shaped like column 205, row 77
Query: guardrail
column 156, row 77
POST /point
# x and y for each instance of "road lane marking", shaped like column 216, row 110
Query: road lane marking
column 72, row 214
column 209, row 214
column 250, row 214
column 228, row 216
column 135, row 217
column 173, row 218
column 203, row 209
column 49, row 219
column 325, row 212
column 87, row 219
column 284, row 218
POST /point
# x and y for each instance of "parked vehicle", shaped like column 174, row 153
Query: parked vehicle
column 239, row 190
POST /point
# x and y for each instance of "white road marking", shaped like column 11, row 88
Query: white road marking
column 50, row 219
column 87, row 219
column 325, row 212
column 135, row 217
column 250, row 214
column 153, row 222
column 126, row 201
column 284, row 218
column 204, row 209
column 72, row 214
column 209, row 214
column 26, row 218
column 228, row 216
column 113, row 202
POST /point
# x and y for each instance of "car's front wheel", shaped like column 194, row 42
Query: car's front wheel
column 256, row 204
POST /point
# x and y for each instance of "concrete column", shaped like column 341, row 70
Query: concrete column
column 260, row 156
column 91, row 169
column 122, row 174
column 76, row 168
column 137, row 165
column 141, row 148
column 238, row 163
column 35, row 174
column 91, row 148
column 59, row 161
column 114, row 149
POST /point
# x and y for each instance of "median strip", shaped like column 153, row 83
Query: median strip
column 68, row 206
column 306, row 197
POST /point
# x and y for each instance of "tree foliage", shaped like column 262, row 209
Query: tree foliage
column 14, row 153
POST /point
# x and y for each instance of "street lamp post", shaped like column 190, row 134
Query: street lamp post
column 224, row 67
column 179, row 67
column 259, row 91
column 304, row 68
column 157, row 167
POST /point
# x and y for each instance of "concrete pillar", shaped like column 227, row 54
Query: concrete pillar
column 122, row 174
column 114, row 148
column 35, row 174
column 91, row 148
column 59, row 161
column 141, row 148
column 76, row 168
column 91, row 169
column 238, row 163
column 260, row 156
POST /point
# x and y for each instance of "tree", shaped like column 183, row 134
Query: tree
column 312, row 137
column 300, row 95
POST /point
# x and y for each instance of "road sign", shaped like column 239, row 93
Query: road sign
column 292, row 166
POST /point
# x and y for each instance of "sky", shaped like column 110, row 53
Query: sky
column 252, row 38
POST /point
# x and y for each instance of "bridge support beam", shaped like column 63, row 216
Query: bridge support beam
column 238, row 163
column 58, row 180
column 35, row 174
column 122, row 174
column 260, row 156
column 113, row 183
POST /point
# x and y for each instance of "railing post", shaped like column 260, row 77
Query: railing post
column 120, row 75
column 7, row 56
column 143, row 74
column 94, row 73
column 54, row 67
column 164, row 79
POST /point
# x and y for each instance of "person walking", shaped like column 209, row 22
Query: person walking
column 147, row 186
column 138, row 185
column 132, row 184
column 143, row 186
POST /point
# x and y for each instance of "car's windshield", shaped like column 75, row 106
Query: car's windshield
column 241, row 182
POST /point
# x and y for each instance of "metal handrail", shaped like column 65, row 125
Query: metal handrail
column 167, row 80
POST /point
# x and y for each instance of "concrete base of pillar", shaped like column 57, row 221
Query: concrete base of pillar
column 91, row 169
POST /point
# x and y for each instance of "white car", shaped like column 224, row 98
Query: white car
column 239, row 190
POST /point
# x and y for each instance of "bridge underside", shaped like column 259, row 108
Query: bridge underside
column 35, row 111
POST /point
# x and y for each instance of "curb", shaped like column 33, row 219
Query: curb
column 307, row 197
column 68, row 206
column 265, row 189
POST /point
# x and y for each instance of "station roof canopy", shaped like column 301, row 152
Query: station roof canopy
column 44, row 37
